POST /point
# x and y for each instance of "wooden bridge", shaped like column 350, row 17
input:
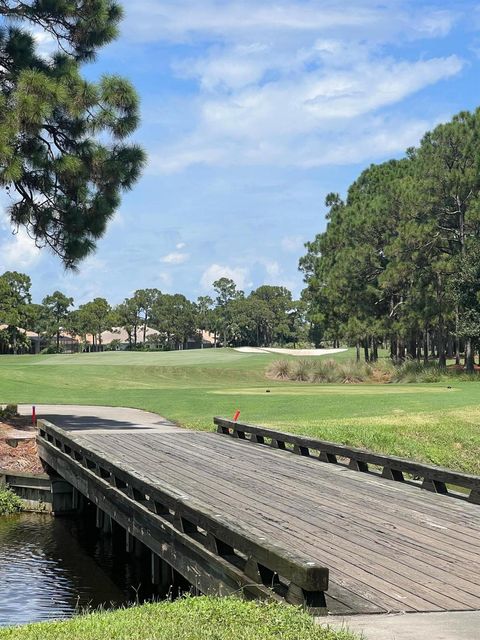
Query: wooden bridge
column 331, row 527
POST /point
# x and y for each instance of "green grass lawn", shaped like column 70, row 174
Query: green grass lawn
column 202, row 618
column 429, row 422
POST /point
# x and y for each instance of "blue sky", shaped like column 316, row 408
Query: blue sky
column 252, row 111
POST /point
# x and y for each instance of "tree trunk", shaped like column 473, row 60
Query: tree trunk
column 358, row 351
column 412, row 347
column 442, row 356
column 365, row 351
column 425, row 346
column 450, row 350
column 393, row 348
column 469, row 361
column 457, row 338
column 400, row 349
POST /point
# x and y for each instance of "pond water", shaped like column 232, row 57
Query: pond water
column 55, row 567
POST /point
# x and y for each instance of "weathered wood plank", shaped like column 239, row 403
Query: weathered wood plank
column 388, row 545
column 359, row 456
column 411, row 570
column 299, row 569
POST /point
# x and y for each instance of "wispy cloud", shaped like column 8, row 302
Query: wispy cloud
column 175, row 258
column 292, row 243
column 18, row 251
column 216, row 271
column 283, row 82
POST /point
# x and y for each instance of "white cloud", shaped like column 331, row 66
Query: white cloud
column 180, row 245
column 216, row 271
column 188, row 20
column 292, row 243
column 175, row 258
column 272, row 268
column 18, row 251
column 46, row 44
column 287, row 83
column 165, row 278
column 88, row 283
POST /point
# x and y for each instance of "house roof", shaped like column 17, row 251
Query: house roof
column 119, row 333
column 30, row 334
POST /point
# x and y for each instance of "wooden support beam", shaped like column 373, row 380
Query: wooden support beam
column 313, row 600
column 435, row 486
column 392, row 474
column 99, row 518
column 129, row 542
column 474, row 496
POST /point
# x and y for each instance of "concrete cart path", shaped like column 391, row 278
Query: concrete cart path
column 100, row 419
column 448, row 625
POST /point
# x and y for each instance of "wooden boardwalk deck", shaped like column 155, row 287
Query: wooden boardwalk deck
column 388, row 546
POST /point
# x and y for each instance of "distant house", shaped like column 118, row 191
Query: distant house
column 119, row 336
column 7, row 346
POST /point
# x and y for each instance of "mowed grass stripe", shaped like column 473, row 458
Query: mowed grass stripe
column 427, row 422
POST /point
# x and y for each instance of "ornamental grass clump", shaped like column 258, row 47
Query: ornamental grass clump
column 325, row 371
column 416, row 371
column 302, row 371
column 352, row 372
column 280, row 370
column 9, row 502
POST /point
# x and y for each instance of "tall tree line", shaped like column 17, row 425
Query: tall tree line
column 398, row 263
column 267, row 316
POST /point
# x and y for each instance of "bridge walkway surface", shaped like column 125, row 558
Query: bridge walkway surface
column 388, row 546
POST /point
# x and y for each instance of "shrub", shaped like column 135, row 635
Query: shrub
column 9, row 502
column 9, row 411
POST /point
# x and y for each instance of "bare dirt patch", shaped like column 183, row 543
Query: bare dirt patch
column 18, row 449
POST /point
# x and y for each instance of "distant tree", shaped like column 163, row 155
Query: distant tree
column 144, row 300
column 205, row 315
column 175, row 317
column 63, row 157
column 127, row 315
column 14, row 300
column 466, row 291
column 34, row 318
column 56, row 307
column 273, row 322
column 95, row 318
column 227, row 292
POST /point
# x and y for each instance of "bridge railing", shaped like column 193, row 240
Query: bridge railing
column 263, row 562
column 429, row 477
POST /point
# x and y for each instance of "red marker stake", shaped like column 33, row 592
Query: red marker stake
column 236, row 415
column 34, row 416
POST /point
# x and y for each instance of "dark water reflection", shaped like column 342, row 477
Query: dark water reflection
column 53, row 567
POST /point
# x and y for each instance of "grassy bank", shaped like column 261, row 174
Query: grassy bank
column 202, row 618
column 9, row 502
column 436, row 422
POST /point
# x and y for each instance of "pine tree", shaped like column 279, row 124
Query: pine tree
column 64, row 159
